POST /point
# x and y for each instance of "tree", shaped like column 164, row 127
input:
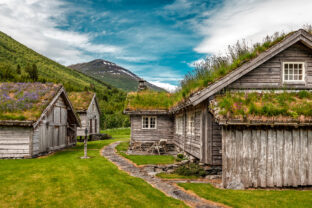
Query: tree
column 18, row 69
column 32, row 72
column 6, row 72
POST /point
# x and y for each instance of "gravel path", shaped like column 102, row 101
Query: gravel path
column 169, row 188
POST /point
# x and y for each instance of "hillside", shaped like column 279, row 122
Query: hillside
column 16, row 59
column 112, row 74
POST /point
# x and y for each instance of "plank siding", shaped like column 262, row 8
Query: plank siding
column 267, row 157
column 164, row 129
column 14, row 142
column 205, row 144
column 92, row 114
column 269, row 74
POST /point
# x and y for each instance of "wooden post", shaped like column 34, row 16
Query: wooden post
column 85, row 145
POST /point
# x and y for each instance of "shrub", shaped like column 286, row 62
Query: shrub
column 191, row 169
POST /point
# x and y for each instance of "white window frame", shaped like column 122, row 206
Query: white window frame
column 293, row 81
column 179, row 124
column 149, row 122
column 190, row 121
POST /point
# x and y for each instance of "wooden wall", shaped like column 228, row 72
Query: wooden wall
column 164, row 129
column 51, row 133
column 91, row 114
column 269, row 74
column 205, row 144
column 267, row 157
column 14, row 142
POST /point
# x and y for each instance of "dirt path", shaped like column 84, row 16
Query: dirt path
column 169, row 188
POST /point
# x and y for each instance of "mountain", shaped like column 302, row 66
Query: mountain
column 113, row 74
column 17, row 60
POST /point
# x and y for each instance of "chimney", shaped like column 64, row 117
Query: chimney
column 142, row 85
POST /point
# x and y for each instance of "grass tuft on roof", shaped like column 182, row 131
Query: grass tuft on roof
column 240, row 105
column 149, row 100
column 25, row 101
column 80, row 100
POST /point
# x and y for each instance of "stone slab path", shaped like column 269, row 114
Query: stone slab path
column 169, row 188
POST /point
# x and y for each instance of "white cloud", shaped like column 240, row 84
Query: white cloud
column 251, row 20
column 166, row 86
column 35, row 23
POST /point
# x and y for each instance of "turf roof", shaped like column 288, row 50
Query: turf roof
column 149, row 100
column 282, row 106
column 25, row 101
column 81, row 100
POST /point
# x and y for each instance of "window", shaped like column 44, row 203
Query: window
column 149, row 122
column 293, row 72
column 190, row 124
column 179, row 124
column 91, row 126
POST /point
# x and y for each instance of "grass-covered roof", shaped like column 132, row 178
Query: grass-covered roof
column 149, row 100
column 281, row 106
column 80, row 100
column 205, row 74
column 25, row 101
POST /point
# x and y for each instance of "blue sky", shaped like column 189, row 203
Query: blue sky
column 158, row 40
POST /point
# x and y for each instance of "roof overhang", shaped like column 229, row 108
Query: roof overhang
column 16, row 123
column 300, row 35
column 146, row 112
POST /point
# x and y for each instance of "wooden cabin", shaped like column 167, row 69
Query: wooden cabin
column 253, row 151
column 87, row 107
column 35, row 118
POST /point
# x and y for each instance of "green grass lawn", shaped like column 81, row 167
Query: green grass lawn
column 175, row 176
column 252, row 198
column 65, row 180
column 144, row 159
column 118, row 133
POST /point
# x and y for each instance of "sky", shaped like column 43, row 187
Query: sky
column 158, row 40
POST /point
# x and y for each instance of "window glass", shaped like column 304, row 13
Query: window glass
column 293, row 72
column 152, row 122
column 145, row 122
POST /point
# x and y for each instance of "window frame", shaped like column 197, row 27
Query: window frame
column 191, row 119
column 179, row 125
column 149, row 122
column 293, row 81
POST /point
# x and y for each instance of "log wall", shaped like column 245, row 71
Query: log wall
column 269, row 74
column 267, row 157
column 164, row 129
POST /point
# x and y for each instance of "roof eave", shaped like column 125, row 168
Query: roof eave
column 16, row 123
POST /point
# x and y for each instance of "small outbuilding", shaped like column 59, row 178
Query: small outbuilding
column 87, row 107
column 35, row 118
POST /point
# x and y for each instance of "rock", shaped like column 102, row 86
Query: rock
column 170, row 171
column 211, row 177
column 151, row 174
column 235, row 185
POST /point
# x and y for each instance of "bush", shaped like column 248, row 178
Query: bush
column 191, row 169
column 180, row 157
column 96, row 137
